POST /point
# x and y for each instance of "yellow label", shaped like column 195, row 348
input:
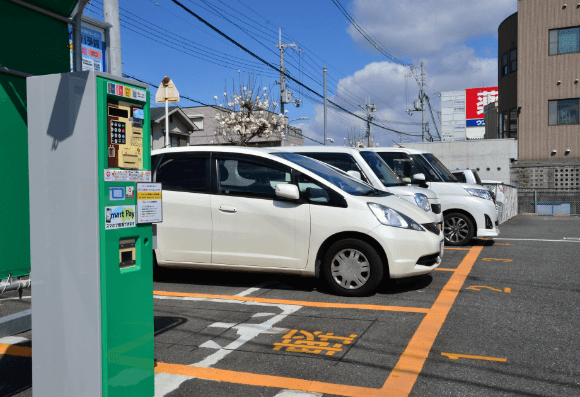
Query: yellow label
column 127, row 92
column 148, row 195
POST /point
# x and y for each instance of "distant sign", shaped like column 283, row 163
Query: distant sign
column 93, row 49
column 476, row 99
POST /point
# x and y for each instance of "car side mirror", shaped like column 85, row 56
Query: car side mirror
column 355, row 174
column 420, row 179
column 287, row 191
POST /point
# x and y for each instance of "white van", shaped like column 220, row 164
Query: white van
column 468, row 210
column 371, row 169
column 235, row 208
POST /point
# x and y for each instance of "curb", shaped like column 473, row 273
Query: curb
column 529, row 214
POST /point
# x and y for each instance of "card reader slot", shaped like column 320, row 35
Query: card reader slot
column 127, row 254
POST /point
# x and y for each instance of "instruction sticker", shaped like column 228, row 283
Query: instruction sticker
column 119, row 217
column 149, row 205
column 127, row 176
column 124, row 91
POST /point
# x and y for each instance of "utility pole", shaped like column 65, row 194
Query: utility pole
column 422, row 97
column 285, row 95
column 325, row 101
column 111, row 11
column 370, row 109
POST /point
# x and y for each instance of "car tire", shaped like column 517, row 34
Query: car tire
column 352, row 267
column 458, row 229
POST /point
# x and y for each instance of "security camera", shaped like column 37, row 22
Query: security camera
column 566, row 152
column 554, row 152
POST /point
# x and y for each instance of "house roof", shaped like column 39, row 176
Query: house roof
column 160, row 112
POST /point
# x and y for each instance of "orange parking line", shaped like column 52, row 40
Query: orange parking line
column 12, row 350
column 402, row 378
column 458, row 249
column 454, row 356
column 445, row 269
column 222, row 375
column 298, row 303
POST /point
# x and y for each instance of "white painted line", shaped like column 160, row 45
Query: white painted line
column 297, row 393
column 210, row 344
column 536, row 239
column 222, row 325
column 167, row 383
column 256, row 288
column 12, row 340
column 263, row 314
column 14, row 298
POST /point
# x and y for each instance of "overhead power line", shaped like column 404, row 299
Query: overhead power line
column 196, row 101
column 275, row 68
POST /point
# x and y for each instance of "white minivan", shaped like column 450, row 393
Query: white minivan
column 469, row 210
column 243, row 209
column 370, row 168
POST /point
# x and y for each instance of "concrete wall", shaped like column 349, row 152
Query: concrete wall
column 548, row 177
column 490, row 157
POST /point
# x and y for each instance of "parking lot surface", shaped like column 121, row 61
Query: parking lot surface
column 498, row 318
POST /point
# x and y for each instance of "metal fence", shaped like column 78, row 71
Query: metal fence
column 506, row 200
column 549, row 201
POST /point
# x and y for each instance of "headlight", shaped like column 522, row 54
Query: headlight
column 484, row 194
column 422, row 201
column 390, row 217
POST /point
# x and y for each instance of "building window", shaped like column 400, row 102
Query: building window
column 499, row 127
column 508, row 62
column 513, row 123
column 564, row 41
column 506, row 124
column 563, row 112
column 178, row 140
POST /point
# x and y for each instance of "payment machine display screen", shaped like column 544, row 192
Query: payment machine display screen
column 138, row 113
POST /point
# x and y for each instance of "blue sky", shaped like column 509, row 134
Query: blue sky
column 457, row 40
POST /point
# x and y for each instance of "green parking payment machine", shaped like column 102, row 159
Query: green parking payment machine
column 92, row 205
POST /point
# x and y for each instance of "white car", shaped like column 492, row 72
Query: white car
column 468, row 210
column 370, row 168
column 244, row 209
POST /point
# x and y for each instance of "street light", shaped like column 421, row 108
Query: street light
column 286, row 127
column 330, row 139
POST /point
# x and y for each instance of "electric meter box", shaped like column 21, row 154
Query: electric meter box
column 89, row 143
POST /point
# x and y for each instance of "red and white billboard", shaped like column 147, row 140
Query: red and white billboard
column 475, row 100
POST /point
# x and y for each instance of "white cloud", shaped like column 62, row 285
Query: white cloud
column 424, row 27
column 384, row 82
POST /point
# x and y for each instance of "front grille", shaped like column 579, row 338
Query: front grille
column 436, row 208
column 432, row 227
column 488, row 224
column 428, row 260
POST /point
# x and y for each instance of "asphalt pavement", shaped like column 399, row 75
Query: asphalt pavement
column 499, row 318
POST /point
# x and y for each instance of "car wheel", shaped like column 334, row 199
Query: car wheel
column 352, row 267
column 458, row 229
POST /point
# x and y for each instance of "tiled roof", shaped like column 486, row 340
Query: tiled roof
column 160, row 111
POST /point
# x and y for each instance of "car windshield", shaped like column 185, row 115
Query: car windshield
column 434, row 162
column 381, row 169
column 346, row 183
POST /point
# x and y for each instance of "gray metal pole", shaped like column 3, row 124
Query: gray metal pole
column 77, row 43
column 423, row 100
column 325, row 102
column 111, row 10
column 282, row 83
column 166, row 119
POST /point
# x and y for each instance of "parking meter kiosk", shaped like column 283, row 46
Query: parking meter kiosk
column 92, row 295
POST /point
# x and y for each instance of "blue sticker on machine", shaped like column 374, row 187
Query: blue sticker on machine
column 117, row 193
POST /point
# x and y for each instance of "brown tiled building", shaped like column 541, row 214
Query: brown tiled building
column 539, row 91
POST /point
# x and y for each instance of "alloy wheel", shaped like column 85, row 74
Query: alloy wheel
column 456, row 229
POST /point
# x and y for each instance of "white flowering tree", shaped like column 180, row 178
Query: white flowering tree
column 248, row 112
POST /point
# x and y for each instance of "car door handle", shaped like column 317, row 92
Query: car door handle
column 227, row 208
